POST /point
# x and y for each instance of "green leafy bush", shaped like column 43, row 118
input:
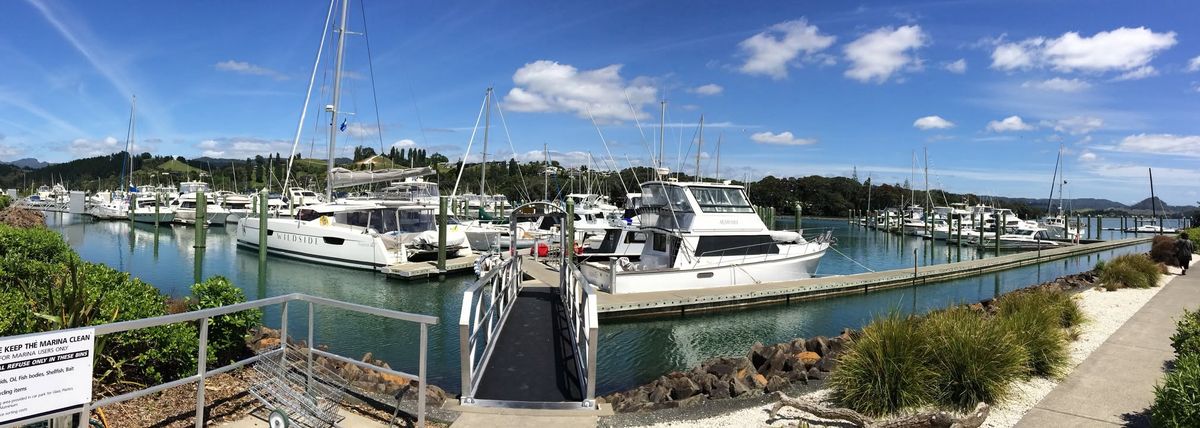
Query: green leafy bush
column 1100, row 264
column 1186, row 339
column 973, row 359
column 226, row 333
column 1130, row 271
column 1035, row 323
column 885, row 370
column 1177, row 398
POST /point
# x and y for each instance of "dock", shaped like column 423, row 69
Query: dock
column 680, row 302
column 418, row 270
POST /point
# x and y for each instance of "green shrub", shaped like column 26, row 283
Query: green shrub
column 973, row 359
column 226, row 333
column 1130, row 271
column 1186, row 339
column 1035, row 323
column 1177, row 399
column 1099, row 266
column 1060, row 303
column 4, row 201
column 32, row 256
column 1162, row 249
column 885, row 370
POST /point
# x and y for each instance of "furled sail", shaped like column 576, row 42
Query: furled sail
column 342, row 177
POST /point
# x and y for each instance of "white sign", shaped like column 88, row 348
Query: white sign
column 45, row 373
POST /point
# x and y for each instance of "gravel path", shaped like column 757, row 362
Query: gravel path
column 1106, row 311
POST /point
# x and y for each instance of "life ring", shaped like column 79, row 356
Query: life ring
column 324, row 221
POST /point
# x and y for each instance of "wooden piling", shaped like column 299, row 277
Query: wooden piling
column 201, row 217
column 442, row 224
column 262, row 227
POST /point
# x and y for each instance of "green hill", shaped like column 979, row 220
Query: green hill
column 175, row 165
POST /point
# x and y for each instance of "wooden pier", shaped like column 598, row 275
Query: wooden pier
column 680, row 302
column 417, row 270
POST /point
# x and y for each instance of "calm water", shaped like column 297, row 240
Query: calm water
column 631, row 352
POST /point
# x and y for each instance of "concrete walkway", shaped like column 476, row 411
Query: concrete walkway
column 1114, row 386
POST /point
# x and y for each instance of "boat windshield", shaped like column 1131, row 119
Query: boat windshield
column 658, row 195
column 721, row 200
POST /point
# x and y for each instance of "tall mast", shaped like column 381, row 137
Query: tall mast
column 132, row 138
column 699, row 145
column 662, row 126
column 337, row 97
column 546, row 173
column 1062, row 181
column 928, row 199
column 487, row 124
column 912, row 176
column 1153, row 205
column 720, row 137
column 1050, row 201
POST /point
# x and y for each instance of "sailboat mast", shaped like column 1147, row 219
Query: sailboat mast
column 1050, row 201
column 928, row 199
column 132, row 138
column 1061, row 182
column 487, row 125
column 337, row 97
column 546, row 173
column 912, row 176
column 1153, row 204
column 720, row 137
column 699, row 146
column 662, row 133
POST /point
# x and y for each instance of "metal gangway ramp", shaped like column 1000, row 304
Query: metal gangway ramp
column 528, row 344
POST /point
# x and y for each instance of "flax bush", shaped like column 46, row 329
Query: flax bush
column 973, row 358
column 1036, row 325
column 1130, row 271
column 886, row 369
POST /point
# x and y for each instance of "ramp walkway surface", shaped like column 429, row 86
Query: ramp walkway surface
column 534, row 359
column 1114, row 386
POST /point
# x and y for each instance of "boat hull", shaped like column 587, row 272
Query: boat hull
column 150, row 218
column 728, row 275
column 297, row 240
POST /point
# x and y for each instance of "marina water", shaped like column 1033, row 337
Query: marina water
column 631, row 352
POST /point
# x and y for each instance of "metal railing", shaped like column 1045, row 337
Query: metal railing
column 203, row 372
column 579, row 303
column 482, row 319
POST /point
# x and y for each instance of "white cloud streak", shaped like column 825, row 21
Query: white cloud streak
column 877, row 55
column 770, row 52
column 1123, row 49
column 706, row 90
column 932, row 122
column 242, row 67
column 1011, row 123
column 547, row 86
column 783, row 138
column 1058, row 84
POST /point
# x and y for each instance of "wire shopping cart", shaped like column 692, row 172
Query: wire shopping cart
column 296, row 392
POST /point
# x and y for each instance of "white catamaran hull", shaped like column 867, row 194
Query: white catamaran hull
column 321, row 244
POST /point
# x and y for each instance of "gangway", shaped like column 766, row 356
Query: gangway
column 525, row 343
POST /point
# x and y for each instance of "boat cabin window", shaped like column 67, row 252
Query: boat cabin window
column 737, row 245
column 721, row 200
column 307, row 215
column 661, row 196
column 635, row 237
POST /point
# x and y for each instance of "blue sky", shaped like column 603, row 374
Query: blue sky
column 790, row 88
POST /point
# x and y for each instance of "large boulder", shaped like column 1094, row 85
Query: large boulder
column 682, row 387
column 808, row 359
column 776, row 383
column 818, row 344
column 659, row 394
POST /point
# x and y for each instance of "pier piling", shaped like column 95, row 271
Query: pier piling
column 999, row 226
column 441, row 260
column 157, row 202
column 262, row 227
column 201, row 217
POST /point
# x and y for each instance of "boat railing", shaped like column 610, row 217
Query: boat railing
column 579, row 303
column 481, row 319
column 204, row 318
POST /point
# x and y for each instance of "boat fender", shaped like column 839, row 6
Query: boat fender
column 324, row 221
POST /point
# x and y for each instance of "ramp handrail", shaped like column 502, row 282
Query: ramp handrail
column 481, row 320
column 203, row 372
column 579, row 303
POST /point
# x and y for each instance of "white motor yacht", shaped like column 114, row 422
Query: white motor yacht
column 145, row 211
column 1025, row 238
column 236, row 204
column 184, row 205
column 705, row 235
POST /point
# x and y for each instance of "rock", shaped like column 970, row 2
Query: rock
column 367, row 357
column 815, row 373
column 799, row 375
column 682, row 388
column 776, row 383
column 977, row 307
column 737, row 388
column 718, row 390
column 759, row 381
column 759, row 354
column 797, row 346
column 659, row 394
column 777, row 363
column 808, row 358
column 818, row 344
column 691, row 401
column 827, row 364
column 722, row 369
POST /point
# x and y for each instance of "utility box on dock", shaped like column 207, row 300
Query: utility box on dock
column 77, row 199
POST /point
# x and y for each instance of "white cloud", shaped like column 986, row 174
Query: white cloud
column 783, row 138
column 1088, row 157
column 242, row 67
column 1137, row 73
column 1076, row 125
column 85, row 147
column 883, row 52
column 244, row 147
column 8, row 151
column 1011, row 123
column 1194, row 64
column 1059, row 84
column 956, row 67
column 1122, row 49
column 1162, row 144
column 404, row 144
column 770, row 52
column 547, row 86
column 709, row 89
column 932, row 122
column 360, row 130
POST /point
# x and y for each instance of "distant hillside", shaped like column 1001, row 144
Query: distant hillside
column 29, row 163
column 174, row 165
column 1076, row 204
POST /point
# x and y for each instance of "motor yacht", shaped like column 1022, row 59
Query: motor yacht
column 185, row 205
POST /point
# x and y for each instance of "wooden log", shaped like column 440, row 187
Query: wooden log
column 921, row 420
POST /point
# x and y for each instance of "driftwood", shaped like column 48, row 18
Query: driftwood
column 922, row 420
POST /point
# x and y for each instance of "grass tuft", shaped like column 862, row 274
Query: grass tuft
column 974, row 358
column 1035, row 322
column 1130, row 271
column 885, row 370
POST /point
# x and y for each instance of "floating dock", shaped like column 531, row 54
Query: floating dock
column 417, row 270
column 681, row 302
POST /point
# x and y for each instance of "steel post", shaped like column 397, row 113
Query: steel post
column 1000, row 225
column 441, row 257
column 201, row 216
column 157, row 198
column 283, row 332
column 309, row 348
column 201, row 367
column 569, row 242
column 262, row 228
column 421, row 373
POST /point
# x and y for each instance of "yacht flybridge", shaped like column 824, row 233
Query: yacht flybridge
column 705, row 235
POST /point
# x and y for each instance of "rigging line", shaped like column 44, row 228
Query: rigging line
column 371, row 67
column 851, row 259
column 632, row 170
column 413, row 98
column 507, row 135
column 689, row 150
column 463, row 162
column 308, row 95
column 639, row 126
column 610, row 156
